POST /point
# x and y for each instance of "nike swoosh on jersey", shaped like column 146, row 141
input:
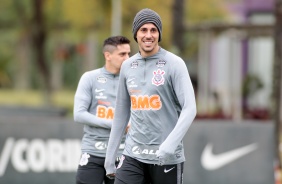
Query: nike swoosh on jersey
column 129, row 80
column 166, row 171
column 99, row 90
column 211, row 161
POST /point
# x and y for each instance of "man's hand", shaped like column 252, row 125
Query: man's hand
column 111, row 176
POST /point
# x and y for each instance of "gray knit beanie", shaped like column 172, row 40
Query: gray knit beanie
column 146, row 16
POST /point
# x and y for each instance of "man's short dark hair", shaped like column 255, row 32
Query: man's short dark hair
column 112, row 42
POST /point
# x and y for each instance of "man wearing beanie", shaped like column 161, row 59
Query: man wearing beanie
column 155, row 94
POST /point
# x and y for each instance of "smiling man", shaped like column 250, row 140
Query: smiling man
column 155, row 93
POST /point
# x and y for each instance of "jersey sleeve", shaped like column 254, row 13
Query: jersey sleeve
column 185, row 96
column 82, row 101
column 121, row 118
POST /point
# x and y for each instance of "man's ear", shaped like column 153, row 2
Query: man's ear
column 107, row 55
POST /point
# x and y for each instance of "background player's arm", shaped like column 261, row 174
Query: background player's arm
column 82, row 102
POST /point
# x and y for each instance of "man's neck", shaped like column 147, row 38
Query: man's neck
column 112, row 70
column 148, row 54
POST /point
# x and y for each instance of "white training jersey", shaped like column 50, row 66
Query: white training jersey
column 156, row 94
column 94, row 106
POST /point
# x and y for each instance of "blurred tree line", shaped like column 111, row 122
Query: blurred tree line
column 48, row 44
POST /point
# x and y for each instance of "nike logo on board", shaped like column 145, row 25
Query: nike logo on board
column 166, row 171
column 211, row 161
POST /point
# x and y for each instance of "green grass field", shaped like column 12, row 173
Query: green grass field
column 35, row 98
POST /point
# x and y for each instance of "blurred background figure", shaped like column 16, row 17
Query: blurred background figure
column 94, row 106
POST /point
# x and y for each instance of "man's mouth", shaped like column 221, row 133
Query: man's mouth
column 148, row 42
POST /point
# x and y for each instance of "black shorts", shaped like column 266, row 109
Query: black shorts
column 91, row 170
column 132, row 171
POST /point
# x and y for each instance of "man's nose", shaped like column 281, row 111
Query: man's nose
column 148, row 34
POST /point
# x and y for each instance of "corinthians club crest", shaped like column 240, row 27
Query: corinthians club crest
column 158, row 78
